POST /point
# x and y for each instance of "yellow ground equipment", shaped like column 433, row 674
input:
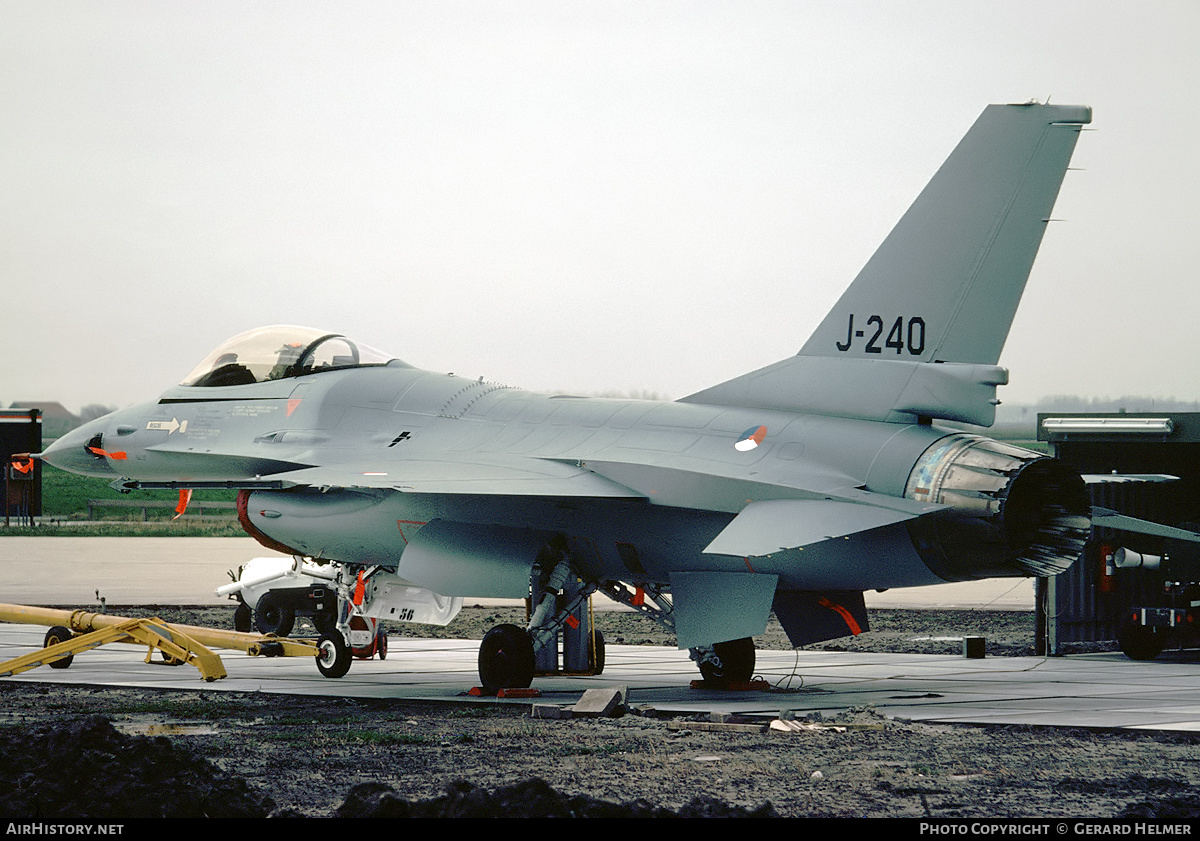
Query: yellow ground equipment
column 75, row 631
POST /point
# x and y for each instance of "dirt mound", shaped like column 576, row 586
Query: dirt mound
column 86, row 770
column 533, row 798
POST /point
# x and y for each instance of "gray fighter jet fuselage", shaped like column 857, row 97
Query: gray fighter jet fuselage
column 794, row 487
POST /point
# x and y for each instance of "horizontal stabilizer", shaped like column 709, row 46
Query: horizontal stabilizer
column 1126, row 478
column 769, row 526
column 1108, row 519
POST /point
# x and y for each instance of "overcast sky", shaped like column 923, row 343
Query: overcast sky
column 578, row 196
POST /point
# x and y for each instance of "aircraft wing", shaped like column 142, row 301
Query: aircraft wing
column 759, row 528
column 495, row 476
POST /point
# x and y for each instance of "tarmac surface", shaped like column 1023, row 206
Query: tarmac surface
column 1092, row 690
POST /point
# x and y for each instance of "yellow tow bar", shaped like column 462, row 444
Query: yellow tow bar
column 178, row 643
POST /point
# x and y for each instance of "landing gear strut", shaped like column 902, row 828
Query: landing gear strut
column 348, row 633
column 561, row 617
column 721, row 664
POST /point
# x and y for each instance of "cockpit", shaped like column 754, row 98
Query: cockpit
column 279, row 352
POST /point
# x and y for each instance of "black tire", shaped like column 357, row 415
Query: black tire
column 243, row 618
column 596, row 655
column 271, row 617
column 54, row 636
column 333, row 655
column 325, row 622
column 1140, row 642
column 506, row 659
column 736, row 663
column 381, row 644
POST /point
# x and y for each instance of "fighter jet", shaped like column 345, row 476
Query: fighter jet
column 792, row 488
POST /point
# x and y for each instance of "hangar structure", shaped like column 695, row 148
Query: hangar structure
column 21, row 432
column 1144, row 465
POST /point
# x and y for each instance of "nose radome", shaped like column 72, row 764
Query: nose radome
column 70, row 452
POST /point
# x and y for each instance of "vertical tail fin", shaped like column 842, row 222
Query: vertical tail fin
column 943, row 287
column 945, row 284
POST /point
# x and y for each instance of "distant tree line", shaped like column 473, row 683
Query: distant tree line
column 58, row 421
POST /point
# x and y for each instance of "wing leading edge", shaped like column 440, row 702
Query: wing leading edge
column 499, row 476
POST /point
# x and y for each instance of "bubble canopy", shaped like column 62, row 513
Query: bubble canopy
column 279, row 352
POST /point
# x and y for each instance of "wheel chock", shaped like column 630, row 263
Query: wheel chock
column 519, row 693
column 515, row 692
column 756, row 685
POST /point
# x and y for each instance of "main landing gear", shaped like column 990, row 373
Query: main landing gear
column 506, row 658
column 558, row 639
column 722, row 664
column 510, row 656
column 726, row 663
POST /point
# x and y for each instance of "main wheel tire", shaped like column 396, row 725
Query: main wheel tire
column 1140, row 642
column 506, row 658
column 333, row 655
column 271, row 617
column 243, row 618
column 54, row 636
column 736, row 663
column 325, row 622
column 596, row 653
column 381, row 643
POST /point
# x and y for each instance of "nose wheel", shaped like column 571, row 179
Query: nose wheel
column 333, row 655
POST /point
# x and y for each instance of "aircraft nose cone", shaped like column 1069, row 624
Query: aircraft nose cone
column 71, row 453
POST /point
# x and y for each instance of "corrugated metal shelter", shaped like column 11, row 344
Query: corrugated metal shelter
column 21, row 432
column 1090, row 601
